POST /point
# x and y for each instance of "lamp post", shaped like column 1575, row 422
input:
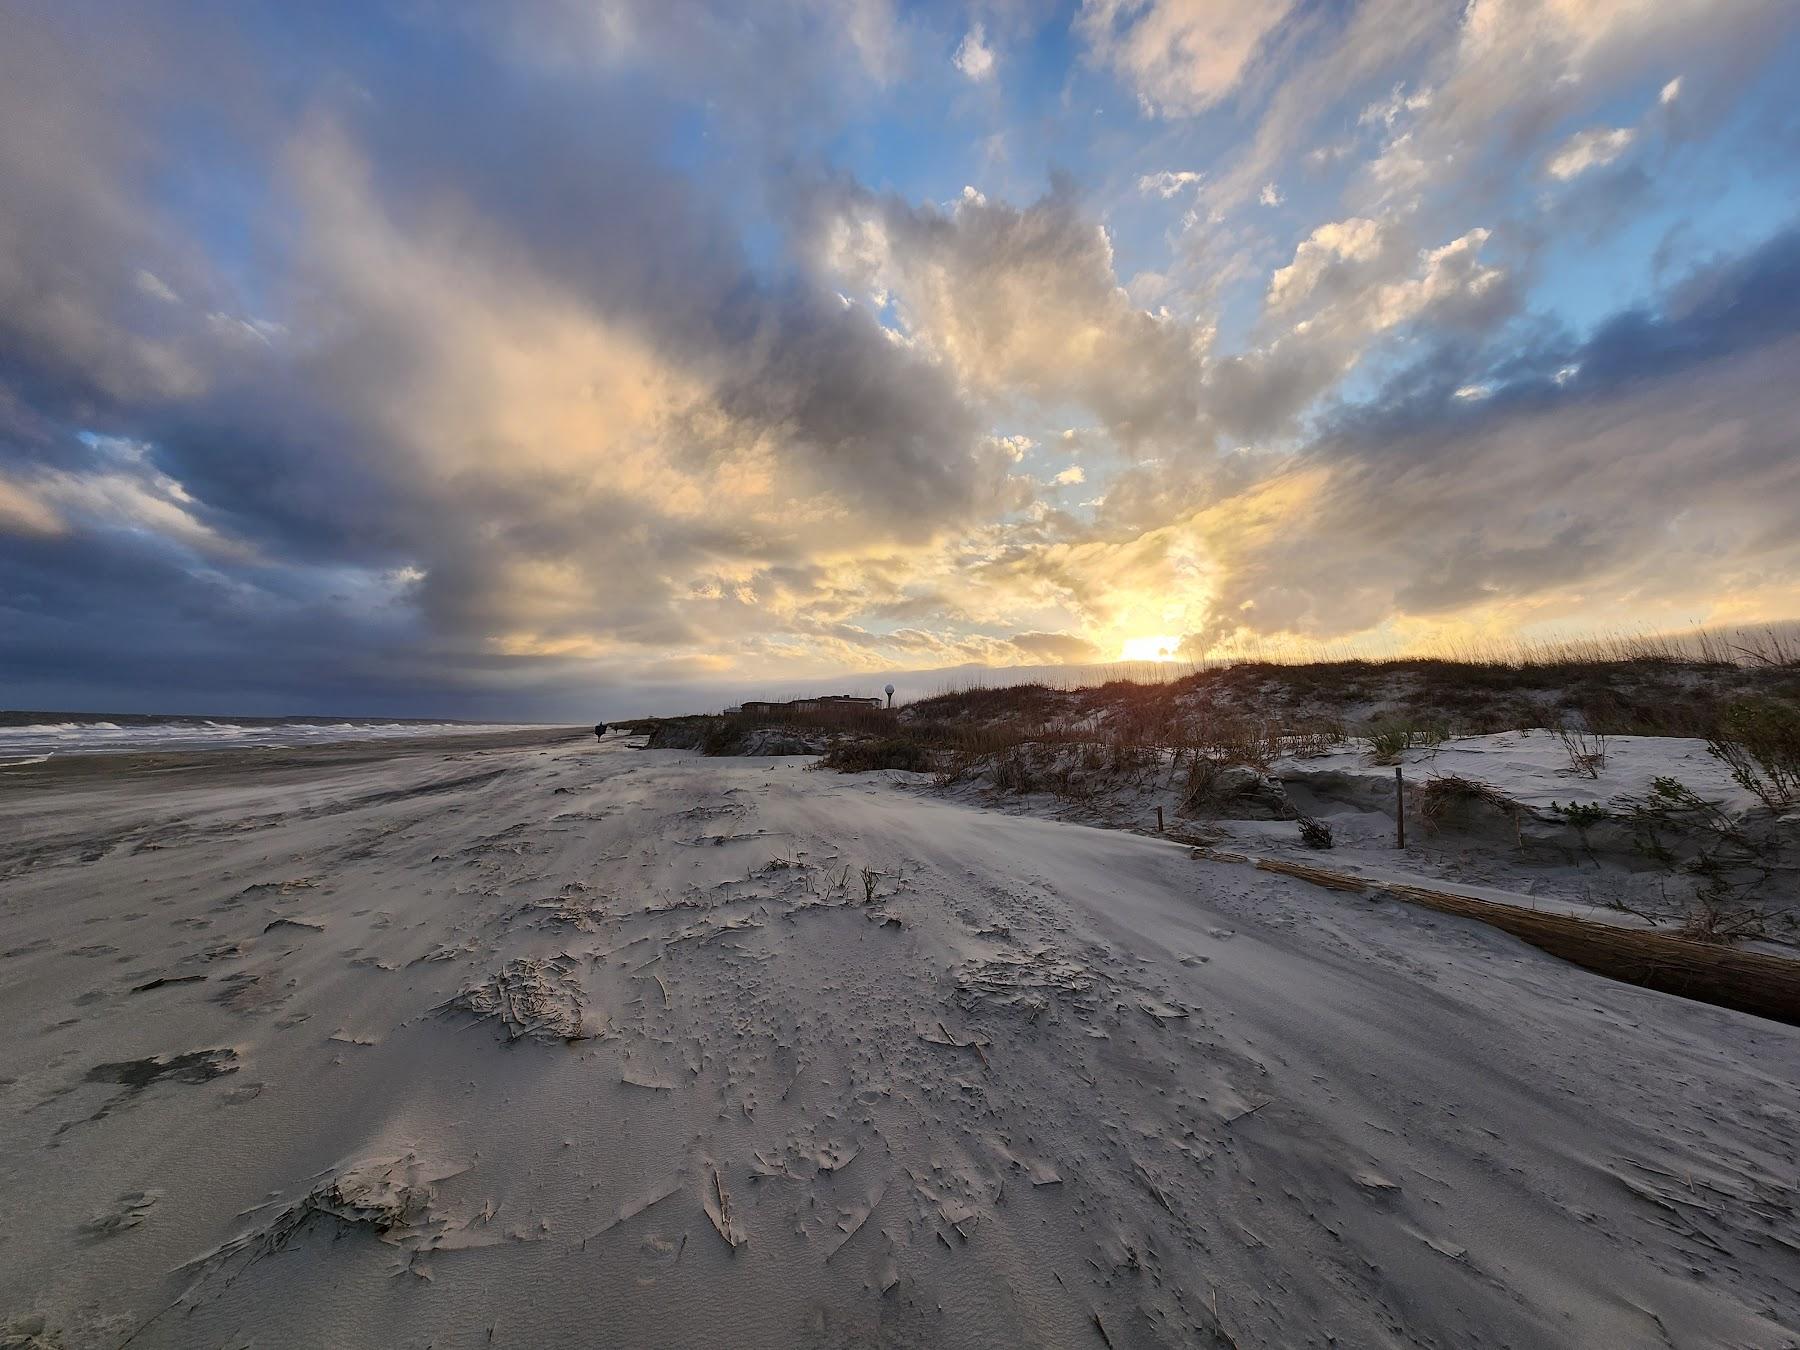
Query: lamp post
column 890, row 694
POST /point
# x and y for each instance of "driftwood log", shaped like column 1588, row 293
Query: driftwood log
column 1753, row 982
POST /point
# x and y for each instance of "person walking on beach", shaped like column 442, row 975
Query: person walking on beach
column 599, row 730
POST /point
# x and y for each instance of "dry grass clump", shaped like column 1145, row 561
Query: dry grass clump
column 1202, row 789
column 529, row 997
column 1314, row 736
column 1586, row 751
column 1240, row 740
column 1390, row 739
column 1013, row 773
column 1716, row 923
column 1442, row 796
column 1315, row 833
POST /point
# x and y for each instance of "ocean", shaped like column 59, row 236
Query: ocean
column 32, row 737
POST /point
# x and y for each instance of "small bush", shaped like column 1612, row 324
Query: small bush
column 1726, row 862
column 1582, row 815
column 1127, row 755
column 1586, row 751
column 1759, row 740
column 1201, row 791
column 895, row 752
column 1314, row 833
column 1013, row 774
column 1238, row 741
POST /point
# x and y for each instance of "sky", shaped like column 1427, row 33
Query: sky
column 535, row 359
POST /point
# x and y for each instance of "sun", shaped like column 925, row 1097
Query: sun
column 1161, row 648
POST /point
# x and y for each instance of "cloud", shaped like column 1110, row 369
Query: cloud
column 526, row 404
column 770, row 68
column 1270, row 195
column 565, row 360
column 1482, row 125
column 1397, row 104
column 1350, row 277
column 23, row 511
column 974, row 58
column 1329, row 246
column 1167, row 183
column 123, row 490
column 1014, row 447
column 1553, row 489
column 1062, row 648
column 1180, row 57
column 1590, row 149
column 1469, row 124
column 1346, row 49
column 1352, row 283
column 1017, row 302
column 155, row 287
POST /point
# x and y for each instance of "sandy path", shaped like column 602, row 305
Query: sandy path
column 586, row 1046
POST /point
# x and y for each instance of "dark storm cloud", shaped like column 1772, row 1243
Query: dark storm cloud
column 358, row 414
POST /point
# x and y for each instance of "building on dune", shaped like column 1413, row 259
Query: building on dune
column 824, row 705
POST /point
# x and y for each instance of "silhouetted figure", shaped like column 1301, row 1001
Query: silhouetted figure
column 599, row 730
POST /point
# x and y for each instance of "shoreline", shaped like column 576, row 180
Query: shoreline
column 100, row 766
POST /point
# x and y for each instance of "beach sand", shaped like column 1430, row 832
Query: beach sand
column 532, row 1041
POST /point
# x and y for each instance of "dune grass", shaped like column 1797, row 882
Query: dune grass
column 1042, row 735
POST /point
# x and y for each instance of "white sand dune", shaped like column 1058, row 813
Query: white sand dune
column 579, row 1045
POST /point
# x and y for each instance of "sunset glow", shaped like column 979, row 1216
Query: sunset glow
column 354, row 355
column 1162, row 648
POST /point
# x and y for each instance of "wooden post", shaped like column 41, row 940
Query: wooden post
column 1159, row 822
column 1400, row 805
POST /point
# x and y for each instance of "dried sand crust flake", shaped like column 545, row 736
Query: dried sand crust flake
column 1022, row 981
column 394, row 1198
column 540, row 999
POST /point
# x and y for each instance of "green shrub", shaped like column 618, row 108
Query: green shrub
column 1388, row 740
column 1726, row 862
column 1582, row 815
column 1759, row 740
